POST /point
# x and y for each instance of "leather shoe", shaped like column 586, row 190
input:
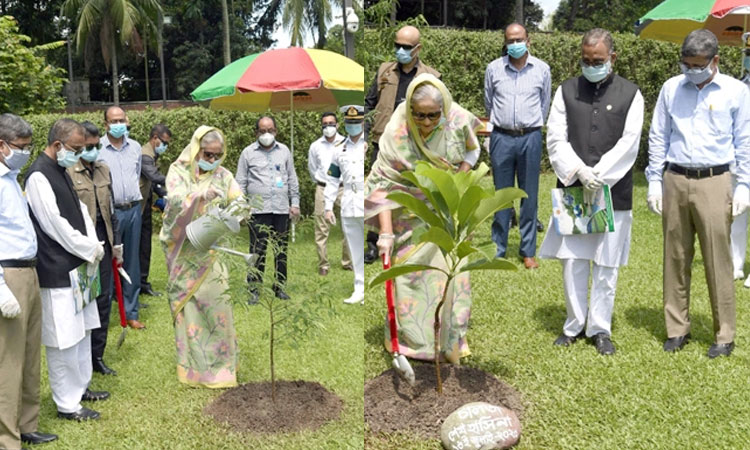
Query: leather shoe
column 371, row 255
column 280, row 294
column 99, row 366
column 348, row 267
column 80, row 415
column 603, row 344
column 253, row 299
column 720, row 349
column 676, row 343
column 565, row 340
column 94, row 396
column 539, row 226
column 35, row 438
column 530, row 262
column 322, row 271
column 148, row 290
column 133, row 323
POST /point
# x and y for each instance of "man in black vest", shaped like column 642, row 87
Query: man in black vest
column 69, row 254
column 593, row 132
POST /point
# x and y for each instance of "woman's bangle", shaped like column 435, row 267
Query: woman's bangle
column 387, row 235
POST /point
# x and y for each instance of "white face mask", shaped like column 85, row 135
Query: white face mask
column 266, row 139
column 329, row 131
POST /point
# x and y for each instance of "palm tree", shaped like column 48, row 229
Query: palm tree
column 225, row 32
column 117, row 23
column 306, row 15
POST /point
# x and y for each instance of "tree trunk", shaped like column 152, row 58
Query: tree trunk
column 115, row 75
column 225, row 26
column 572, row 15
column 145, row 65
column 445, row 13
column 436, row 329
column 519, row 11
column 393, row 12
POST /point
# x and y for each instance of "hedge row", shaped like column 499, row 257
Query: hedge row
column 462, row 57
column 239, row 128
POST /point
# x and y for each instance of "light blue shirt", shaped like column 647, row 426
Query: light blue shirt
column 269, row 174
column 516, row 99
column 700, row 128
column 17, row 235
column 125, row 167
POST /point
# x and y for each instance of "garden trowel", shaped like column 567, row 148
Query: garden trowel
column 120, row 302
column 400, row 363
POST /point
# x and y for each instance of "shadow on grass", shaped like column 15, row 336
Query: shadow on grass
column 493, row 366
column 551, row 317
column 651, row 319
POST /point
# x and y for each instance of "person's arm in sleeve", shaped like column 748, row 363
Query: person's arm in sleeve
column 150, row 171
column 42, row 202
column 620, row 159
column 293, row 182
column 546, row 95
column 312, row 162
column 658, row 144
column 115, row 223
column 564, row 160
column 333, row 181
column 489, row 90
column 241, row 176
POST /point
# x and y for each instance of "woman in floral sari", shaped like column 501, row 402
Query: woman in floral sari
column 199, row 281
column 427, row 126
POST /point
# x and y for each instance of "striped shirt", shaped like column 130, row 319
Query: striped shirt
column 271, row 175
column 125, row 167
column 516, row 99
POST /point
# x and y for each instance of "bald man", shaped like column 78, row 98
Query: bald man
column 387, row 91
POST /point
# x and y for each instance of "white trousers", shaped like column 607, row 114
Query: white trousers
column 597, row 318
column 739, row 242
column 69, row 374
column 354, row 229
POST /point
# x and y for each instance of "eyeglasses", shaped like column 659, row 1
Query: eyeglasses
column 687, row 67
column 404, row 46
column 116, row 121
column 596, row 64
column 91, row 148
column 77, row 150
column 433, row 116
column 269, row 130
column 17, row 147
column 211, row 155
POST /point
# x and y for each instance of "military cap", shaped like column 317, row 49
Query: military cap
column 353, row 112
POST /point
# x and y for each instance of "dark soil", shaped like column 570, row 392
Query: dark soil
column 300, row 405
column 391, row 405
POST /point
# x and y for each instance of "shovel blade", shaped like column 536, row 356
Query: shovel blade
column 404, row 370
column 121, row 339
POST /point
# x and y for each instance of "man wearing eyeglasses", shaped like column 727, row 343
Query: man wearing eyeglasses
column 123, row 156
column 266, row 169
column 700, row 128
column 593, row 133
column 69, row 254
column 20, row 300
column 93, row 184
column 517, row 90
column 151, row 182
column 387, row 91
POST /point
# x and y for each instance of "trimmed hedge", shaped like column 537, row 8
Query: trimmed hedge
column 462, row 58
column 239, row 128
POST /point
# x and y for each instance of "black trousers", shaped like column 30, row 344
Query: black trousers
column 103, row 301
column 263, row 228
column 145, row 254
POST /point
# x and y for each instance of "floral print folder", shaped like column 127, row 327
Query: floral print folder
column 572, row 215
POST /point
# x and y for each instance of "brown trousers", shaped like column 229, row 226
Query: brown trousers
column 323, row 229
column 702, row 206
column 20, row 359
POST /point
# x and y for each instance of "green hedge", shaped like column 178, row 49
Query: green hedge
column 462, row 57
column 239, row 128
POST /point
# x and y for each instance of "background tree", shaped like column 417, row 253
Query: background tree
column 612, row 15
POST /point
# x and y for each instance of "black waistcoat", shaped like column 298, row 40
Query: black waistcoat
column 596, row 119
column 54, row 261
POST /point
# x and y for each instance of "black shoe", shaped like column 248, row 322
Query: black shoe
column 149, row 291
column 371, row 255
column 142, row 305
column 253, row 299
column 94, row 396
column 676, row 343
column 36, row 438
column 539, row 226
column 80, row 415
column 603, row 344
column 100, row 367
column 720, row 349
column 280, row 294
column 565, row 340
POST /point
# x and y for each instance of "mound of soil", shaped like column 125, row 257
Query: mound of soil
column 300, row 405
column 391, row 405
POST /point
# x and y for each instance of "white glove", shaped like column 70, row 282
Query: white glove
column 9, row 306
column 385, row 245
column 99, row 253
column 117, row 251
column 740, row 200
column 654, row 204
column 211, row 193
column 589, row 178
column 589, row 195
column 330, row 217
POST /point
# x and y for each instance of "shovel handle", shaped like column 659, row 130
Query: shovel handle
column 118, row 292
column 391, row 308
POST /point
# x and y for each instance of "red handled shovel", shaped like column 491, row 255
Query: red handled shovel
column 120, row 303
column 400, row 363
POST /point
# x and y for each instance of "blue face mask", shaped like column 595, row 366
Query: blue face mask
column 66, row 158
column 207, row 166
column 403, row 56
column 353, row 129
column 517, row 49
column 746, row 62
column 596, row 74
column 161, row 149
column 118, row 130
column 90, row 154
column 696, row 75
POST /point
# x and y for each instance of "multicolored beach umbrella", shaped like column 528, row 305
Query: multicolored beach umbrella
column 285, row 80
column 672, row 20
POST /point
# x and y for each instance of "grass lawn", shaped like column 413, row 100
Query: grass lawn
column 641, row 397
column 150, row 409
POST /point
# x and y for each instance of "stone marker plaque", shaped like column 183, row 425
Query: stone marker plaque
column 480, row 425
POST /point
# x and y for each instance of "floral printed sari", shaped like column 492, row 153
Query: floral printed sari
column 417, row 294
column 198, row 281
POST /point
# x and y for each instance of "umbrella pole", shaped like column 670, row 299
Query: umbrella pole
column 291, row 121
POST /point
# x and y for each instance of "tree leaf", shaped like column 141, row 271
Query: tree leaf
column 416, row 206
column 439, row 237
column 502, row 199
column 399, row 270
column 469, row 202
column 485, row 264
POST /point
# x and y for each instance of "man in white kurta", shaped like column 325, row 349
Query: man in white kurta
column 66, row 318
column 598, row 146
column 348, row 167
column 739, row 224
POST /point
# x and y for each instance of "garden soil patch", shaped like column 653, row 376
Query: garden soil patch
column 391, row 405
column 300, row 405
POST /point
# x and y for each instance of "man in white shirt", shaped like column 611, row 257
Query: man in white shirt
column 318, row 160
